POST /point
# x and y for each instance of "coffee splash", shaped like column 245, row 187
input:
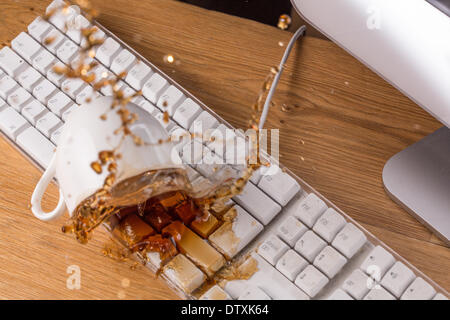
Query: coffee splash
column 136, row 210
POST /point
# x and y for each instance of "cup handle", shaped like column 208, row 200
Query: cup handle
column 39, row 191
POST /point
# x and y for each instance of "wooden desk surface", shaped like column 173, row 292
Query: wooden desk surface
column 350, row 120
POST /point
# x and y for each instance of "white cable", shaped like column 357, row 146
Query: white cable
column 300, row 32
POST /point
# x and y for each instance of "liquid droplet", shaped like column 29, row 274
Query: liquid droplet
column 96, row 167
column 169, row 58
column 121, row 294
column 125, row 282
column 284, row 21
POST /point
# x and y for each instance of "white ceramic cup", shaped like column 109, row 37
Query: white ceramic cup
column 84, row 135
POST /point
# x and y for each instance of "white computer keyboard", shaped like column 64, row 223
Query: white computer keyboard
column 303, row 246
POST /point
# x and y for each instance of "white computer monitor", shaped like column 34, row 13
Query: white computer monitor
column 407, row 43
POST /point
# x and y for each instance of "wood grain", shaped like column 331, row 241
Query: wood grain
column 350, row 120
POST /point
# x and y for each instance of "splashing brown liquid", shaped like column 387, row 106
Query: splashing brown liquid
column 138, row 210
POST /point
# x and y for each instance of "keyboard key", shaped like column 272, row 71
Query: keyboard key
column 379, row 294
column 44, row 61
column 3, row 104
column 192, row 152
column 291, row 264
column 205, row 121
column 186, row 113
column 397, row 279
column 170, row 100
column 72, row 87
column 280, row 186
column 419, row 289
column 44, row 90
column 236, row 151
column 12, row 123
column 127, row 90
column 180, row 138
column 310, row 209
column 80, row 59
column 311, row 281
column 339, row 294
column 11, row 62
column 74, row 30
column 25, row 46
column 235, row 233
column 97, row 35
column 56, row 78
column 272, row 249
column 59, row 103
column 357, row 284
column 329, row 224
column 154, row 87
column 68, row 51
column 193, row 247
column 123, row 62
column 7, row 85
column 258, row 203
column 55, row 5
column 48, row 123
column 108, row 51
column 85, row 94
column 138, row 75
column 56, row 135
column 349, row 240
column 147, row 106
column 66, row 113
column 101, row 73
column 19, row 98
column 33, row 111
column 329, row 261
column 184, row 273
column 309, row 245
column 254, row 293
column 267, row 278
column 215, row 293
column 36, row 145
column 39, row 28
column 53, row 40
column 29, row 78
column 290, row 230
column 204, row 228
column 168, row 125
column 63, row 14
column 256, row 177
column 440, row 296
column 217, row 138
column 213, row 165
column 377, row 262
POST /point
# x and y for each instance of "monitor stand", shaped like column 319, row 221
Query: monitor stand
column 418, row 179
